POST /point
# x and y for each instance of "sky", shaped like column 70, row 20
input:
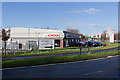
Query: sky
column 87, row 17
column 60, row 0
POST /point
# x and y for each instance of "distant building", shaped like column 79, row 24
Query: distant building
column 28, row 37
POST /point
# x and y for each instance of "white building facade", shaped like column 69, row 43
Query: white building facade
column 26, row 38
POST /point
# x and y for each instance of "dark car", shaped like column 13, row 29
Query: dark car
column 76, row 44
column 94, row 44
column 101, row 44
column 118, row 41
column 91, row 44
column 83, row 41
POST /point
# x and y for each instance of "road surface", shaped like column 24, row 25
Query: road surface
column 98, row 68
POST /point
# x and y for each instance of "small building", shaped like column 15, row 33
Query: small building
column 26, row 38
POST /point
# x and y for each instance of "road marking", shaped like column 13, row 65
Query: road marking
column 109, row 56
column 47, row 65
column 59, row 63
column 91, row 73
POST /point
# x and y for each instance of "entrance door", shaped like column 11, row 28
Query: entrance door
column 20, row 46
column 57, row 43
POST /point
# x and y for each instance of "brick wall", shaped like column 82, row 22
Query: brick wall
column 61, row 43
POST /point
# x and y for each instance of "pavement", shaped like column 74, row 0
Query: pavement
column 56, row 55
column 96, row 68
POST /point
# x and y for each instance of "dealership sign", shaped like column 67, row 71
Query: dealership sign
column 111, row 35
column 46, row 43
column 53, row 35
column 50, row 35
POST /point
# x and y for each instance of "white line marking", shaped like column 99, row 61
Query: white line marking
column 92, row 73
column 109, row 56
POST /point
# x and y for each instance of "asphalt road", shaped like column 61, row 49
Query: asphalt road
column 101, row 68
column 55, row 55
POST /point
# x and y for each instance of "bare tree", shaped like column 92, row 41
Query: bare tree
column 5, row 37
column 0, row 34
column 103, row 35
column 76, row 31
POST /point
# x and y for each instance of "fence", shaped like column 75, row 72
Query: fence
column 16, row 46
column 52, row 51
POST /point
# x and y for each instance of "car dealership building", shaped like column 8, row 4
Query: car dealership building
column 27, row 38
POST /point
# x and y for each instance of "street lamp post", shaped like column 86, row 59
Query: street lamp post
column 28, row 40
column 38, row 46
column 38, row 43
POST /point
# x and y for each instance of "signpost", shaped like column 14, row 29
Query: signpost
column 46, row 44
column 91, row 35
column 99, row 36
column 111, row 35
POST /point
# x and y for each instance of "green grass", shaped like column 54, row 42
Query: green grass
column 60, row 51
column 108, row 47
column 48, row 60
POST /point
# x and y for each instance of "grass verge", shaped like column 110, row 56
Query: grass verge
column 49, row 60
column 60, row 51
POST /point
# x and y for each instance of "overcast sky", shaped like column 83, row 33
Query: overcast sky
column 87, row 17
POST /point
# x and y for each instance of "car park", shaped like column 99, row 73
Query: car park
column 94, row 44
column 118, row 41
column 90, row 44
column 85, row 43
column 101, row 44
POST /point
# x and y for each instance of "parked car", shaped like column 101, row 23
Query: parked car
column 91, row 44
column 101, row 44
column 83, row 41
column 76, row 44
column 94, row 44
column 88, row 44
column 118, row 41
